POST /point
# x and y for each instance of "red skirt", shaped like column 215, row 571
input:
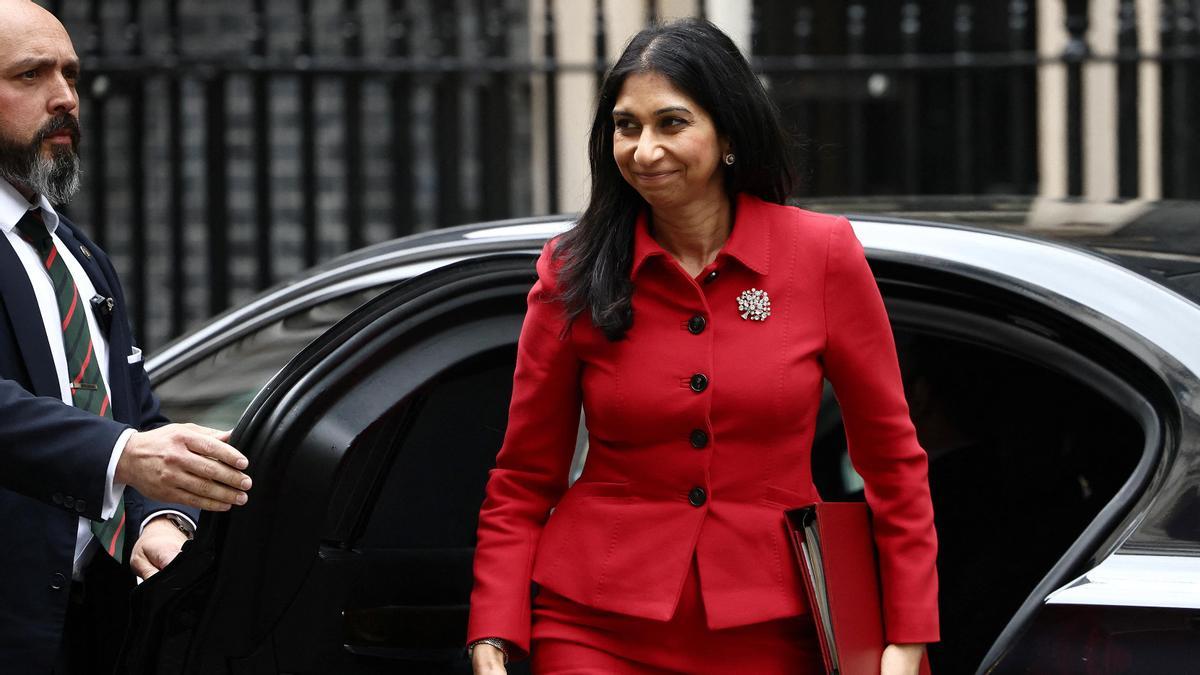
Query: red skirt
column 573, row 639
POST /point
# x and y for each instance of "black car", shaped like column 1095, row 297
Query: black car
column 1051, row 357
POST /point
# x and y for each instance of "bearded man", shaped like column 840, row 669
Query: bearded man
column 94, row 482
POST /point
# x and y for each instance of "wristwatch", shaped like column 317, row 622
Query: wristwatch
column 495, row 642
column 185, row 526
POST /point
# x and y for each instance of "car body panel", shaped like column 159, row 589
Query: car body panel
column 1125, row 313
column 1130, row 580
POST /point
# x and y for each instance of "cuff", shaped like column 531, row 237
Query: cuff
column 912, row 624
column 114, row 491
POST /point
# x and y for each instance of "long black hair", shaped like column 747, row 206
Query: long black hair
column 702, row 62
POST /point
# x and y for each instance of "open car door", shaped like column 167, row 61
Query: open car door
column 369, row 453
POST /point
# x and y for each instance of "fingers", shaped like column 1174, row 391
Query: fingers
column 210, row 489
column 210, row 469
column 212, row 446
column 160, row 557
column 141, row 566
column 222, row 436
column 204, row 503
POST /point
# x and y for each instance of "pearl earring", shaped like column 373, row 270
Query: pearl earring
column 729, row 159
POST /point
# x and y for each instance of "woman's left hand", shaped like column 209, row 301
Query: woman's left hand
column 901, row 659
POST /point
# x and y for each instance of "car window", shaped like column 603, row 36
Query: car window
column 430, row 498
column 1021, row 459
column 408, row 599
column 215, row 389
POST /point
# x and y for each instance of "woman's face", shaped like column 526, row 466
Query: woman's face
column 665, row 144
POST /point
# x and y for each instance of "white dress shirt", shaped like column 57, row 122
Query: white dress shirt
column 12, row 207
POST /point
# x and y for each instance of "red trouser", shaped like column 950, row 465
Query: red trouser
column 572, row 639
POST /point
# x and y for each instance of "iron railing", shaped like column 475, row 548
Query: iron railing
column 230, row 144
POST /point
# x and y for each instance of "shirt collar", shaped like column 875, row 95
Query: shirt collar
column 13, row 207
column 749, row 242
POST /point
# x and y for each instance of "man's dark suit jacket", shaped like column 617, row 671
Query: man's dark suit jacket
column 54, row 457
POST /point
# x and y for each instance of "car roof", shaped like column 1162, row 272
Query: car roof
column 1150, row 238
column 1158, row 239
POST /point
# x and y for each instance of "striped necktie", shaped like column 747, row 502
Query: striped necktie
column 88, row 390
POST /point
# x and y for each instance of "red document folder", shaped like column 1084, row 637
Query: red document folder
column 836, row 553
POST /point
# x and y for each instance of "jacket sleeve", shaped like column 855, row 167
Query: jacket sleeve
column 531, row 468
column 50, row 450
column 860, row 362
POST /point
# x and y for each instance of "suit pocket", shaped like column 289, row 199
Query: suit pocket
column 578, row 538
column 600, row 490
column 784, row 498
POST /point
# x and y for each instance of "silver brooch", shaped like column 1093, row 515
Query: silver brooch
column 754, row 305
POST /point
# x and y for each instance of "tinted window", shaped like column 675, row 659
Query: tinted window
column 433, row 491
column 215, row 390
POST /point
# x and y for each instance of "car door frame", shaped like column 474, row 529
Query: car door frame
column 243, row 562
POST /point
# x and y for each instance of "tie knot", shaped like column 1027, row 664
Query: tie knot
column 33, row 229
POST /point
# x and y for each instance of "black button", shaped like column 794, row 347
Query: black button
column 57, row 582
column 57, row 498
column 696, row 324
column 712, row 276
column 68, row 501
column 697, row 497
column 699, row 438
column 80, row 506
column 699, row 382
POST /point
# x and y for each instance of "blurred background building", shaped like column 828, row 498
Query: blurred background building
column 229, row 144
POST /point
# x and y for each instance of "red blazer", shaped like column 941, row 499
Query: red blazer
column 681, row 465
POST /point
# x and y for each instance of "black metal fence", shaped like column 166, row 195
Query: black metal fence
column 233, row 143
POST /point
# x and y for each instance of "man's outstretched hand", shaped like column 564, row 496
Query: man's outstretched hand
column 185, row 464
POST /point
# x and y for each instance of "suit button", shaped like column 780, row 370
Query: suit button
column 80, row 506
column 697, row 497
column 699, row 382
column 696, row 324
column 68, row 502
column 712, row 276
column 699, row 438
column 57, row 582
column 57, row 498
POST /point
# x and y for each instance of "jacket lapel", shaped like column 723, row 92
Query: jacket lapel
column 118, row 337
column 85, row 257
column 25, row 319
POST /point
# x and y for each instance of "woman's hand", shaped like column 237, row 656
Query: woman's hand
column 487, row 660
column 899, row 659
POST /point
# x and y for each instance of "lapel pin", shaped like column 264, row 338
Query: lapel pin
column 84, row 250
column 754, row 305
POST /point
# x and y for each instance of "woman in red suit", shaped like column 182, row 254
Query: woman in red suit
column 693, row 316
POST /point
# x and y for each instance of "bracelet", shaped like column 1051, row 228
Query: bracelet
column 495, row 642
